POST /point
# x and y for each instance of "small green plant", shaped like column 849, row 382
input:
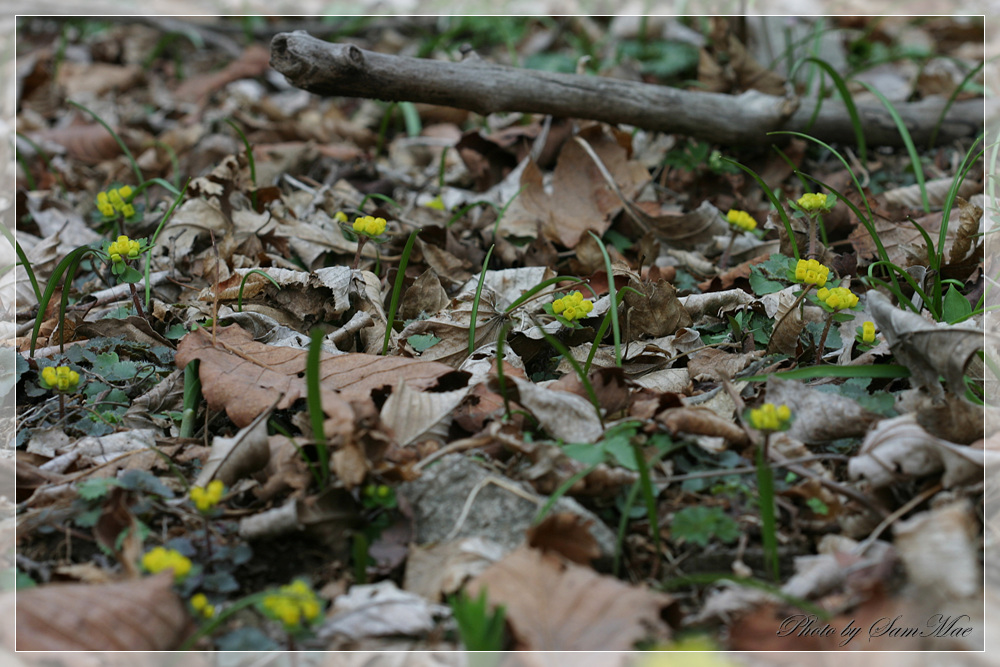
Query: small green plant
column 397, row 289
column 767, row 419
column 700, row 525
column 833, row 301
column 315, row 403
column 476, row 299
column 478, row 627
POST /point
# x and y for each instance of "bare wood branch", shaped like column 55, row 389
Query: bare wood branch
column 345, row 70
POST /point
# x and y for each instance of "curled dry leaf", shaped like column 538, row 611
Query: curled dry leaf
column 900, row 449
column 555, row 605
column 232, row 459
column 413, row 414
column 714, row 304
column 657, row 312
column 819, row 416
column 139, row 615
column 245, row 377
column 452, row 325
column 425, row 296
column 378, row 610
column 929, row 350
column 713, row 364
column 566, row 416
column 328, row 518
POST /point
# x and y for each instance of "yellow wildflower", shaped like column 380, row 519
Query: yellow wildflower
column 340, row 216
column 811, row 271
column 369, row 226
column 293, row 605
column 128, row 210
column 61, row 378
column 125, row 191
column 207, row 498
column 741, row 219
column 868, row 332
column 572, row 307
column 838, row 298
column 769, row 417
column 104, row 205
column 124, row 249
column 812, row 202
column 159, row 559
column 437, row 204
column 201, row 606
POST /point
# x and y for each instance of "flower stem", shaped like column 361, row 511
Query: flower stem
column 822, row 340
column 362, row 240
column 724, row 260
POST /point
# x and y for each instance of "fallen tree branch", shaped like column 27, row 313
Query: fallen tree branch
column 345, row 70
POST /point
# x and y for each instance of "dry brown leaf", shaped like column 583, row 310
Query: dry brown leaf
column 788, row 326
column 564, row 415
column 245, row 377
column 969, row 216
column 701, row 421
column 657, row 312
column 329, row 518
column 930, row 350
column 554, row 605
column 581, row 200
column 713, row 364
column 140, row 615
column 90, row 144
column 413, row 414
column 253, row 62
column 566, row 534
column 424, row 296
column 116, row 518
column 944, row 536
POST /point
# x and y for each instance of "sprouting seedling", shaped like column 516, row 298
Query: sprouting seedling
column 397, row 289
column 767, row 419
column 250, row 161
column 239, row 299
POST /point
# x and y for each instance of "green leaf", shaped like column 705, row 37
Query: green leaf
column 700, row 524
column 764, row 276
column 421, row 342
column 92, row 489
column 955, row 307
column 585, row 452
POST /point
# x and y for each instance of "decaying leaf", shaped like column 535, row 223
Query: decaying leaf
column 328, row 518
column 555, row 605
column 377, row 610
column 245, row 377
column 139, row 615
column 413, row 414
column 713, row 364
column 657, row 312
column 928, row 349
column 701, row 421
column 899, row 449
column 564, row 415
column 567, row 535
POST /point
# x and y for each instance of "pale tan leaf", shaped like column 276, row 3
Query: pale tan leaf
column 819, row 416
column 413, row 414
column 554, row 605
column 438, row 570
column 940, row 551
column 564, row 415
column 568, row 535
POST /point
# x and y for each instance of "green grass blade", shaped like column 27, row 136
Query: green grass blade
column 496, row 225
column 397, row 289
column 50, row 288
column 156, row 235
column 845, row 96
column 774, row 202
column 379, row 196
column 647, row 493
column 192, row 398
column 468, row 207
column 584, row 380
column 613, row 297
column 24, row 261
column 239, row 301
column 411, row 118
column 768, row 520
column 315, row 402
column 476, row 298
column 560, row 492
column 951, row 100
column 810, row 372
column 114, row 135
column 501, row 378
column 918, row 168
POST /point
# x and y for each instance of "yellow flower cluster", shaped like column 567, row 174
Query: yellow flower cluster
column 770, row 418
column 369, row 226
column 115, row 200
column 572, row 307
column 838, row 298
column 124, row 248
column 293, row 604
column 741, row 219
column 811, row 271
column 208, row 497
column 62, row 378
column 812, row 202
column 868, row 332
column 201, row 606
column 159, row 559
